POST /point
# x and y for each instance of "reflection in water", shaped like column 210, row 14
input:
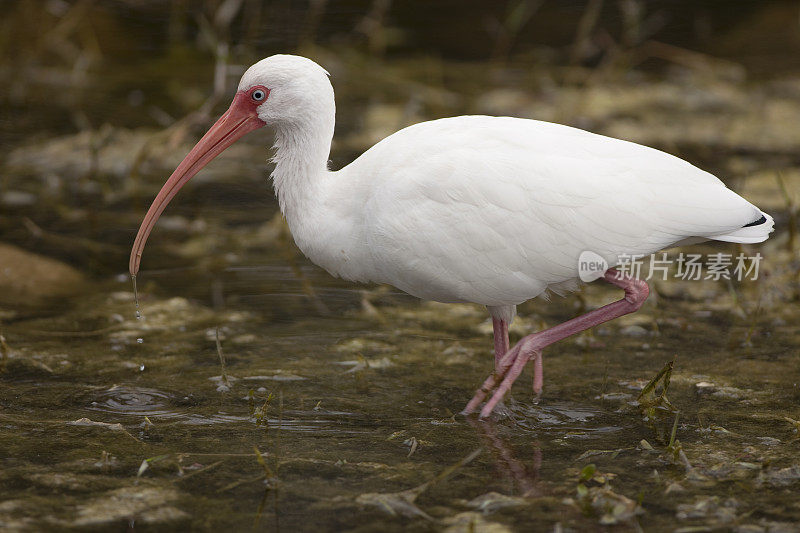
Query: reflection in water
column 523, row 477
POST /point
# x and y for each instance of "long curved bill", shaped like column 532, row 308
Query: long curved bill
column 238, row 120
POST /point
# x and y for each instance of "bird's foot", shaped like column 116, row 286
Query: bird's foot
column 511, row 364
column 506, row 372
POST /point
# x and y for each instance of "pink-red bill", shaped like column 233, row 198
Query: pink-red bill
column 240, row 119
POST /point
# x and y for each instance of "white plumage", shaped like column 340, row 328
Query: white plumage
column 497, row 210
column 491, row 210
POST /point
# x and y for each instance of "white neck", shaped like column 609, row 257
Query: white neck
column 321, row 215
column 301, row 162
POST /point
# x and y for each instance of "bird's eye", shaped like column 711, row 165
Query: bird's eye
column 258, row 95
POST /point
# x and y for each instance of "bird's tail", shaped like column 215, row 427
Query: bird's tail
column 755, row 231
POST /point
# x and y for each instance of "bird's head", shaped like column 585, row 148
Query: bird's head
column 281, row 90
column 296, row 89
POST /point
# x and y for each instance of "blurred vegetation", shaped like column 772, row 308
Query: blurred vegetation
column 135, row 80
column 75, row 65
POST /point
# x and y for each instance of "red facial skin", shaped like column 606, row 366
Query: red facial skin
column 240, row 119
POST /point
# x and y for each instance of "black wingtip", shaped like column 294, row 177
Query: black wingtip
column 756, row 223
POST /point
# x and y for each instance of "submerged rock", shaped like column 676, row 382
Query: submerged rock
column 494, row 501
column 709, row 507
column 781, row 477
column 395, row 503
column 472, row 522
column 146, row 504
column 29, row 279
column 17, row 198
column 64, row 481
column 114, row 152
column 611, row 507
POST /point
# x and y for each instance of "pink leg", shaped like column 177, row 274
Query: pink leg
column 500, row 328
column 530, row 347
column 501, row 346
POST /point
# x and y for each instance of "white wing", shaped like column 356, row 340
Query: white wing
column 494, row 210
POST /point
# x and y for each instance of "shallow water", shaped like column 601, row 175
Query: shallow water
column 328, row 406
column 349, row 409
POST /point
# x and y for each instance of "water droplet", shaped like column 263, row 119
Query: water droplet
column 136, row 299
column 140, row 340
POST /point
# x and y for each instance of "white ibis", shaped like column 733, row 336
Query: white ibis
column 490, row 210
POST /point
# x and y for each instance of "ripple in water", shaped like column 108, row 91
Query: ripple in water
column 560, row 416
column 156, row 404
column 136, row 401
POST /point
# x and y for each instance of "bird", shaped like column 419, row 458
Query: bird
column 483, row 209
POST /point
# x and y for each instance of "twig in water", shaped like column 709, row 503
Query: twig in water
column 223, row 373
column 198, row 471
